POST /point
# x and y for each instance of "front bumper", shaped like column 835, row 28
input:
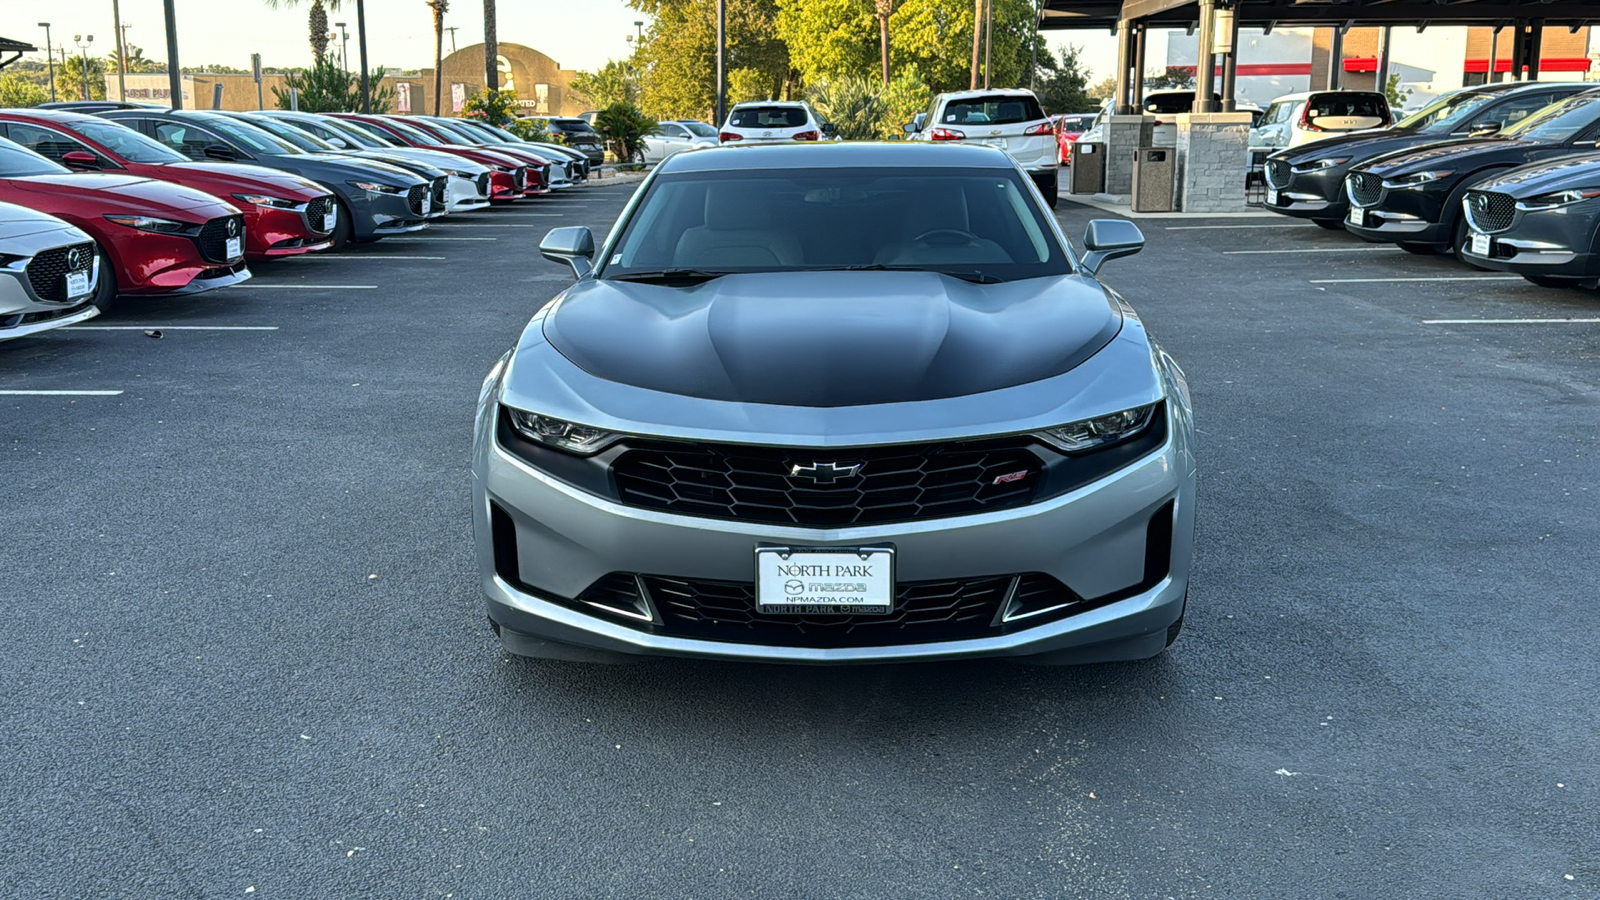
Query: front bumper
column 1559, row 242
column 1095, row 540
column 468, row 193
column 1411, row 216
column 1307, row 195
column 377, row 215
column 149, row 263
column 270, row 233
column 24, row 312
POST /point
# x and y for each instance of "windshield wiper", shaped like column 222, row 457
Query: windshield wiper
column 688, row 276
column 974, row 277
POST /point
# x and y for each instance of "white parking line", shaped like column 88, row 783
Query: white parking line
column 1435, row 278
column 401, row 240
column 1318, row 250
column 171, row 328
column 525, row 215
column 487, row 225
column 1510, row 321
column 361, row 256
column 1211, row 227
column 59, row 393
column 315, row 287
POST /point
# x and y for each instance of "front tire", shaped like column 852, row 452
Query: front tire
column 341, row 228
column 1330, row 224
column 1418, row 249
column 105, row 293
column 1050, row 188
column 1553, row 281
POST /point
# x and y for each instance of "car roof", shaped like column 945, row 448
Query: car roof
column 988, row 92
column 65, row 117
column 797, row 104
column 843, row 154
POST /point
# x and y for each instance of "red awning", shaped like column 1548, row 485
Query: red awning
column 1553, row 64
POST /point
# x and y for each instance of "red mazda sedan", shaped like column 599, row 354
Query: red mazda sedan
column 284, row 214
column 153, row 237
column 508, row 176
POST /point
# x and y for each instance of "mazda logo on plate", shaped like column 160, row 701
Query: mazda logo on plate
column 825, row 473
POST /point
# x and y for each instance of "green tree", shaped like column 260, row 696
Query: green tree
column 934, row 38
column 1175, row 78
column 906, row 95
column 17, row 92
column 611, row 83
column 1104, row 90
column 677, row 59
column 137, row 63
column 325, row 87
column 623, row 128
column 1397, row 96
column 1064, row 85
column 496, row 107
column 316, row 21
column 71, row 78
column 851, row 103
column 438, row 8
column 829, row 39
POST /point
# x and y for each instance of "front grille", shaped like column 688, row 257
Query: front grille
column 317, row 213
column 483, row 185
column 1366, row 189
column 417, row 199
column 440, row 187
column 834, row 488
column 47, row 271
column 1278, row 174
column 519, row 178
column 214, row 235
column 924, row 611
column 1490, row 211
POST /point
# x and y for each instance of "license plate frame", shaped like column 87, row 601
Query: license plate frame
column 331, row 220
column 810, row 581
column 1272, row 196
column 1358, row 217
column 235, row 247
column 77, row 284
column 1480, row 244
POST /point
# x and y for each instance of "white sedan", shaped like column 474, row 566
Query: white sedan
column 670, row 137
column 48, row 273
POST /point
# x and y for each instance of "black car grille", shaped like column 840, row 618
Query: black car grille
column 483, row 185
column 832, row 488
column 1489, row 211
column 48, row 269
column 1366, row 189
column 317, row 213
column 439, row 189
column 923, row 611
column 214, row 235
column 417, row 199
column 1278, row 174
column 519, row 178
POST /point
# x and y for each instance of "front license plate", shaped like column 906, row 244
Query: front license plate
column 235, row 247
column 1358, row 216
column 1272, row 197
column 1481, row 244
column 801, row 582
column 77, row 284
column 331, row 219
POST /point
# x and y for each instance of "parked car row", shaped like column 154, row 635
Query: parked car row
column 1505, row 176
column 140, row 200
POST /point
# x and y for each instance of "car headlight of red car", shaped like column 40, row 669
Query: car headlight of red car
column 151, row 223
column 264, row 200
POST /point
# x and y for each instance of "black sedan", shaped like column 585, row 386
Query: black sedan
column 375, row 199
column 1413, row 197
column 1540, row 221
column 1307, row 181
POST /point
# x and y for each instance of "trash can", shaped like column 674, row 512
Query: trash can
column 1152, row 179
column 1087, row 174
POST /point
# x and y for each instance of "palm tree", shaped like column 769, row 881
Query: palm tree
column 885, row 7
column 439, row 8
column 491, row 48
column 317, row 21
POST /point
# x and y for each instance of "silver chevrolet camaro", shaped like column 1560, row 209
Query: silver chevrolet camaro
column 838, row 403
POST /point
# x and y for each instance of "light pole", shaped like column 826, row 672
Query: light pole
column 174, row 74
column 83, row 46
column 344, row 46
column 50, row 58
column 122, row 52
column 638, row 26
column 452, row 30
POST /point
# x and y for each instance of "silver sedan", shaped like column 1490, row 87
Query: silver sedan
column 48, row 273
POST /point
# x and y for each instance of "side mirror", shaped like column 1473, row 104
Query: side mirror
column 219, row 151
column 830, row 129
column 1484, row 129
column 1108, row 239
column 573, row 245
column 338, row 142
column 910, row 128
column 81, row 160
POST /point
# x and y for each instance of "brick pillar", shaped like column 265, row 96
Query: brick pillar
column 1124, row 134
column 1213, row 158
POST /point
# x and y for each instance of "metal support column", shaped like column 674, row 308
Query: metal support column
column 1491, row 75
column 722, row 62
column 1205, row 64
column 1535, row 48
column 1382, row 84
column 174, row 73
column 1518, row 49
column 1121, row 105
column 1336, row 57
column 1230, row 62
column 1137, row 94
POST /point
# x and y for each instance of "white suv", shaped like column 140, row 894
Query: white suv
column 1009, row 119
column 773, row 120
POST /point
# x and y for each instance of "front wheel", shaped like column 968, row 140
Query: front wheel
column 1050, row 188
column 1330, row 224
column 341, row 228
column 1419, row 249
column 105, row 293
column 1553, row 281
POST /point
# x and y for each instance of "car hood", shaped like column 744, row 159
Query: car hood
column 357, row 168
column 231, row 178
column 425, row 169
column 20, row 221
column 1358, row 145
column 832, row 339
column 1547, row 177
column 125, row 193
column 448, row 162
column 1459, row 153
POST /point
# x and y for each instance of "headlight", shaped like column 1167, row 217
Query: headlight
column 1559, row 198
column 264, row 200
column 1319, row 165
column 12, row 262
column 150, row 223
column 465, row 174
column 1417, row 179
column 376, row 188
column 1100, row 431
column 560, row 434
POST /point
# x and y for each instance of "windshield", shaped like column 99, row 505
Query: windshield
column 19, row 162
column 571, row 126
column 377, row 134
column 979, row 224
column 1557, row 122
column 414, row 133
column 127, row 143
column 349, row 133
column 481, row 131
column 455, row 131
column 1445, row 114
column 284, row 130
column 699, row 129
column 250, row 137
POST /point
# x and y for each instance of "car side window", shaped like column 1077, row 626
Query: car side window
column 51, row 145
column 1513, row 111
column 185, row 139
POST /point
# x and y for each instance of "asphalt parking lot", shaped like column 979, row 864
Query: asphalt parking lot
column 245, row 653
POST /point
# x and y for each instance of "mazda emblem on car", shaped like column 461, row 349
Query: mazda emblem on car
column 78, row 259
column 825, row 473
column 233, row 228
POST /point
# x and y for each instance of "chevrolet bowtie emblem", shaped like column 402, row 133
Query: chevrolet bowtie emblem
column 825, row 473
